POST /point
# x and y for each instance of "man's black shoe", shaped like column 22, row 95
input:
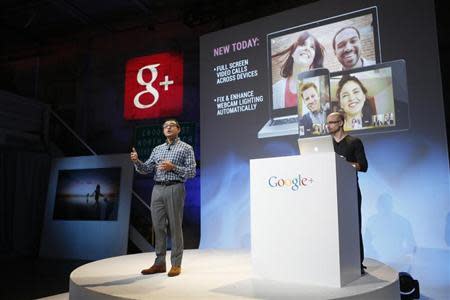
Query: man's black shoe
column 363, row 271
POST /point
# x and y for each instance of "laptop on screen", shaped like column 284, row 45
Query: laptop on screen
column 283, row 100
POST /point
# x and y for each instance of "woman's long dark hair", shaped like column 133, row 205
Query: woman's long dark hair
column 288, row 65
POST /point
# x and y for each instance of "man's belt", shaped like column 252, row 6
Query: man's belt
column 167, row 183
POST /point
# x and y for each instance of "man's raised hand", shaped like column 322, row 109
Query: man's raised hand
column 134, row 155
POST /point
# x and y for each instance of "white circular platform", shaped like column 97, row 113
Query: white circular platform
column 215, row 274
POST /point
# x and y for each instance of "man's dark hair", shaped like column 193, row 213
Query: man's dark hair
column 172, row 120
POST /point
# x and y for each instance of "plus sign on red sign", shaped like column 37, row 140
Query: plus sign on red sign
column 154, row 86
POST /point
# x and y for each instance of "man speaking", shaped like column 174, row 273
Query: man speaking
column 172, row 163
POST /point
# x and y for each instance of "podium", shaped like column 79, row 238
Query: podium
column 304, row 219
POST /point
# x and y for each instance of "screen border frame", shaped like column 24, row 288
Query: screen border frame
column 400, row 95
column 282, row 112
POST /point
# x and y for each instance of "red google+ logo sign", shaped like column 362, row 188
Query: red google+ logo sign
column 154, row 86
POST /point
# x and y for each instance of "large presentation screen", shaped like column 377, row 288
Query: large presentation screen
column 268, row 83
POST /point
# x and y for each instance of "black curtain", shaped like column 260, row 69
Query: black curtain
column 24, row 180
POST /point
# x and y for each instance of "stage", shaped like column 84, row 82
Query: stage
column 215, row 274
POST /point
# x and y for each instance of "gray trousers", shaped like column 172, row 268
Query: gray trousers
column 167, row 205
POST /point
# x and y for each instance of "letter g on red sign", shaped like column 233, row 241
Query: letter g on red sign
column 154, row 86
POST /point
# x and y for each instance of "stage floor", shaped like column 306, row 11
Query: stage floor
column 215, row 274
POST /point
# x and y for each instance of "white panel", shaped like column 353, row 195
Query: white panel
column 295, row 233
column 88, row 239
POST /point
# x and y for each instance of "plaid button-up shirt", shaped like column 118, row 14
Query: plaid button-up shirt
column 179, row 153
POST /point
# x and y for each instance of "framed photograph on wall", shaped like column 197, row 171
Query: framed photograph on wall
column 88, row 207
column 87, row 194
